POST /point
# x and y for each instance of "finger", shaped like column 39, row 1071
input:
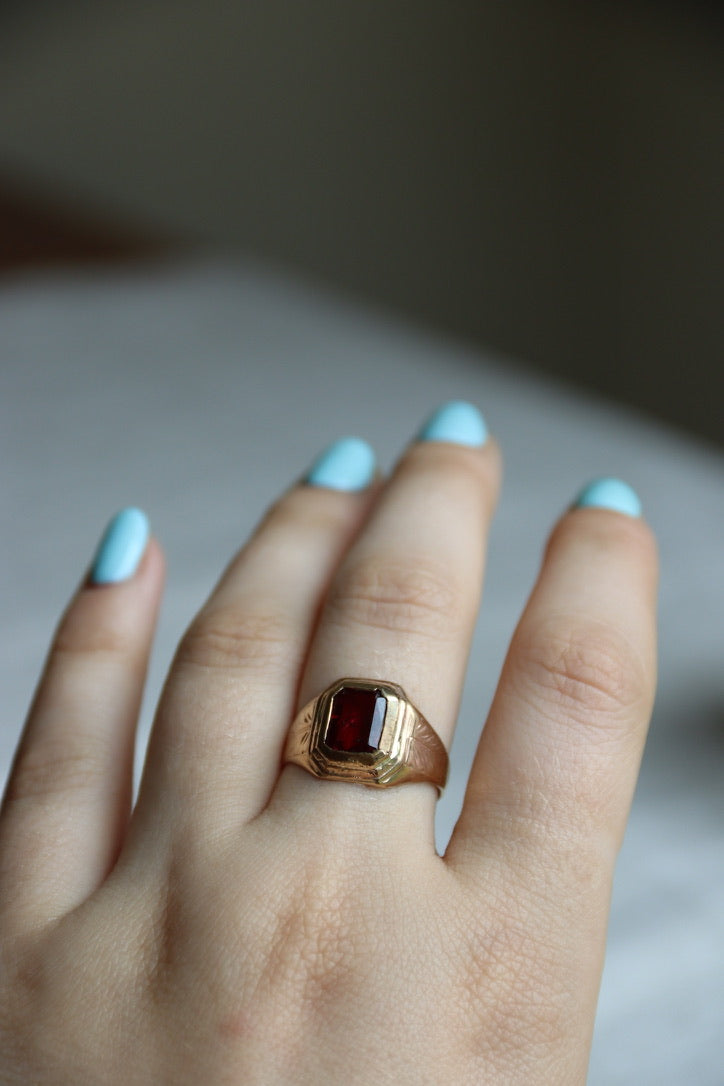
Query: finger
column 402, row 605
column 68, row 795
column 554, row 773
column 214, row 749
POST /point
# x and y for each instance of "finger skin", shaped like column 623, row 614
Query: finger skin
column 402, row 606
column 68, row 796
column 214, row 750
column 556, row 767
column 566, row 730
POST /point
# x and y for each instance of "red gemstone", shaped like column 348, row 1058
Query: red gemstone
column 356, row 720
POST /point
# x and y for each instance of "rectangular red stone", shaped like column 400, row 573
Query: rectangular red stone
column 356, row 720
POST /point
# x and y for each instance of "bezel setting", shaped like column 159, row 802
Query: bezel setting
column 380, row 768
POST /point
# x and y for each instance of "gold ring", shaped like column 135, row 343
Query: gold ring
column 367, row 731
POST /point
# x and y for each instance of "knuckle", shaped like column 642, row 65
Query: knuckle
column 445, row 463
column 589, row 671
column 606, row 534
column 296, row 952
column 403, row 597
column 77, row 637
column 305, row 953
column 507, row 981
column 305, row 509
column 224, row 639
column 58, row 766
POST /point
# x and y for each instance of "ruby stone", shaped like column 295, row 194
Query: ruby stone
column 356, row 720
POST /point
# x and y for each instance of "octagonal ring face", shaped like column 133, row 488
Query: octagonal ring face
column 379, row 767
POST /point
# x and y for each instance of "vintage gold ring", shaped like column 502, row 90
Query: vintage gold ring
column 367, row 731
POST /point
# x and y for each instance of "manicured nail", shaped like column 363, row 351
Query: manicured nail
column 609, row 494
column 347, row 464
column 121, row 547
column 456, row 421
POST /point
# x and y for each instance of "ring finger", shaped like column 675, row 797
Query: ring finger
column 403, row 603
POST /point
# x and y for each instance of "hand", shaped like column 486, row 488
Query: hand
column 250, row 923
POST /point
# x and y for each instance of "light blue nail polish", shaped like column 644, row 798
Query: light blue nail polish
column 121, row 547
column 347, row 464
column 457, row 421
column 609, row 494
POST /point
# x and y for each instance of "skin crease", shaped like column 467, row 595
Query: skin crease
column 249, row 923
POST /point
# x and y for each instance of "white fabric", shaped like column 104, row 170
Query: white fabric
column 199, row 390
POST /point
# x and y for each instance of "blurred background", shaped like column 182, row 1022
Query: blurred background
column 542, row 178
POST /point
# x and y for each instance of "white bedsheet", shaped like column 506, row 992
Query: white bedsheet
column 199, row 390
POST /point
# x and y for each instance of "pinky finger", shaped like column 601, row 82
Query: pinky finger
column 68, row 795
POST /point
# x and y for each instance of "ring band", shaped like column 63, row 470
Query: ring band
column 367, row 731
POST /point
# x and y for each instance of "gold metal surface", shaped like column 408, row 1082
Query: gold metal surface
column 409, row 749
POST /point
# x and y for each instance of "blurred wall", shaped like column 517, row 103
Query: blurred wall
column 545, row 178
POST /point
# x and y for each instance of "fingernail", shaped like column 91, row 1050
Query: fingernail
column 457, row 421
column 609, row 494
column 347, row 464
column 121, row 547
